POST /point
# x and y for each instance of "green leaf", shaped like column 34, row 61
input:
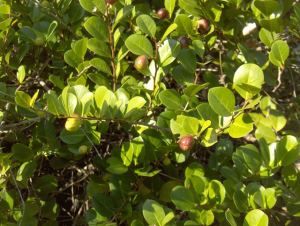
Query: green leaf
column 72, row 58
column 35, row 96
column 139, row 45
column 80, row 47
column 169, row 30
column 22, row 99
column 46, row 184
column 216, row 193
column 183, row 198
column 103, row 204
column 209, row 137
column 166, row 190
column 207, row 217
column 183, row 76
column 167, row 52
column 267, row 37
column 126, row 154
column 289, row 175
column 171, row 99
column 168, row 217
column 146, row 24
column 248, row 74
column 97, row 28
column 138, row 149
column 116, row 166
column 26, row 170
column 134, row 105
column 71, row 137
column 240, row 201
column 53, row 103
column 264, row 149
column 191, row 125
column 69, row 101
column 184, row 24
column 288, row 150
column 192, row 90
column 153, row 212
column 272, row 25
column 99, row 47
column 229, row 174
column 195, row 169
column 101, row 65
column 196, row 185
column 75, row 12
column 87, row 5
column 123, row 13
column 21, row 73
column 230, row 218
column 188, row 60
column 266, row 104
column 170, row 5
column 256, row 217
column 279, row 53
column 221, row 100
column 277, row 119
column 207, row 113
column 241, row 126
column 199, row 47
column 27, row 34
column 22, row 152
column 267, row 7
column 270, row 197
column 56, row 81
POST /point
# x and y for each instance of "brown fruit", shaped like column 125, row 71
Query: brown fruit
column 111, row 1
column 163, row 14
column 73, row 124
column 184, row 42
column 202, row 26
column 186, row 142
column 141, row 63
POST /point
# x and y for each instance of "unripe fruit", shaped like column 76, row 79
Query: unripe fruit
column 41, row 113
column 45, row 3
column 202, row 26
column 73, row 124
column 111, row 1
column 141, row 63
column 184, row 42
column 39, row 41
column 163, row 14
column 186, row 142
column 166, row 161
column 83, row 149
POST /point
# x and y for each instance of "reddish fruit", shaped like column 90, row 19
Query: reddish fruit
column 186, row 142
column 39, row 41
column 72, row 124
column 184, row 42
column 83, row 149
column 202, row 26
column 166, row 161
column 141, row 63
column 163, row 14
column 111, row 1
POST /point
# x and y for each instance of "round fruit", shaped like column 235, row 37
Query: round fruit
column 72, row 124
column 166, row 161
column 141, row 62
column 82, row 149
column 163, row 14
column 45, row 3
column 111, row 1
column 39, row 41
column 41, row 113
column 186, row 142
column 202, row 26
column 184, row 42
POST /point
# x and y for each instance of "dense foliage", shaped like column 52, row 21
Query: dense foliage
column 149, row 112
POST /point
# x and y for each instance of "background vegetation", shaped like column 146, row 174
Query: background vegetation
column 90, row 135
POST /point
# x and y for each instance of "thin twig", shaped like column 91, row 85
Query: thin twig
column 84, row 69
column 21, row 197
column 279, row 78
column 91, row 143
